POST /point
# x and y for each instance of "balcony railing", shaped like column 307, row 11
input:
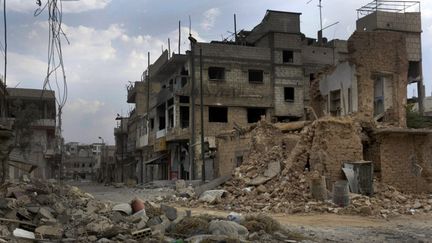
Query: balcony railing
column 48, row 123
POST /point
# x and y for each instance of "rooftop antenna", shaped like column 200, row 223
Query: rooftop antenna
column 190, row 26
column 320, row 10
column 235, row 28
column 179, row 40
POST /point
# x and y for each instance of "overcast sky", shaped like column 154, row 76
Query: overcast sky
column 109, row 41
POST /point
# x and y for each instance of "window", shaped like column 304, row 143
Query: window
column 287, row 56
column 254, row 114
column 171, row 117
column 184, row 116
column 184, row 99
column 151, row 123
column 218, row 114
column 256, row 76
column 170, row 102
column 216, row 73
column 239, row 160
column 289, row 94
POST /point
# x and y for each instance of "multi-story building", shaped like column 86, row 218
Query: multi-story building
column 108, row 163
column 79, row 161
column 34, row 114
column 121, row 142
column 264, row 72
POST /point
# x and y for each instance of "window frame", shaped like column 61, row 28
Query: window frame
column 214, row 68
column 256, row 71
column 287, row 58
column 285, row 94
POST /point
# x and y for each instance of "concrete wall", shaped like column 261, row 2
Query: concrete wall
column 407, row 23
column 229, row 148
column 405, row 160
column 342, row 78
column 380, row 53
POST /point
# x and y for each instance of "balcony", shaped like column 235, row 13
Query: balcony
column 44, row 123
column 131, row 93
column 133, row 89
column 160, row 133
column 142, row 141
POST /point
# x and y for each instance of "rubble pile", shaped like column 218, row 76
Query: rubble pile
column 274, row 176
column 48, row 211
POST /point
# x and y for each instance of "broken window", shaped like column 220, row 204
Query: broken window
column 170, row 102
column 335, row 103
column 184, row 116
column 239, row 160
column 256, row 76
column 378, row 95
column 161, row 116
column 151, row 123
column 184, row 99
column 254, row 114
column 287, row 56
column 218, row 114
column 171, row 117
column 289, row 94
column 216, row 73
column 183, row 81
column 350, row 108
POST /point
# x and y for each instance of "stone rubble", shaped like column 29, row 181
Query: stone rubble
column 49, row 211
column 272, row 178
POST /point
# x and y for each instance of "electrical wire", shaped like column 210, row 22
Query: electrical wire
column 55, row 54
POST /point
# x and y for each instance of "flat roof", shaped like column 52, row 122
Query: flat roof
column 31, row 93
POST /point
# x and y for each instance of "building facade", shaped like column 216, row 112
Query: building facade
column 34, row 117
column 265, row 72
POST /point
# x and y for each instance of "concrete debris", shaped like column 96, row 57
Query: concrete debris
column 228, row 228
column 212, row 196
column 49, row 232
column 70, row 215
column 290, row 173
column 124, row 208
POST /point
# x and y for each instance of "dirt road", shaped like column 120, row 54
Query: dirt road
column 317, row 227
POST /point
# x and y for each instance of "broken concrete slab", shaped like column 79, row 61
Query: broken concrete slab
column 212, row 196
column 99, row 226
column 45, row 212
column 124, row 208
column 258, row 181
column 212, row 184
column 169, row 211
column 228, row 228
column 49, row 232
column 273, row 169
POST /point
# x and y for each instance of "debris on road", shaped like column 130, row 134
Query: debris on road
column 50, row 211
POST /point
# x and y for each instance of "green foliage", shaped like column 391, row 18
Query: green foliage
column 415, row 120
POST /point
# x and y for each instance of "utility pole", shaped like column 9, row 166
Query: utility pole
column 202, row 118
column 192, row 95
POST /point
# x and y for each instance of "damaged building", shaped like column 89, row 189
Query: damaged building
column 384, row 56
column 265, row 72
column 33, row 114
column 277, row 74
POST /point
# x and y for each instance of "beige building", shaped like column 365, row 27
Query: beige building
column 33, row 113
column 265, row 72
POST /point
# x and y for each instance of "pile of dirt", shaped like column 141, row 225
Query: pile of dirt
column 275, row 176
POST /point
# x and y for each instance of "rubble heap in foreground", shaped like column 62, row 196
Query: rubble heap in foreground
column 45, row 211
